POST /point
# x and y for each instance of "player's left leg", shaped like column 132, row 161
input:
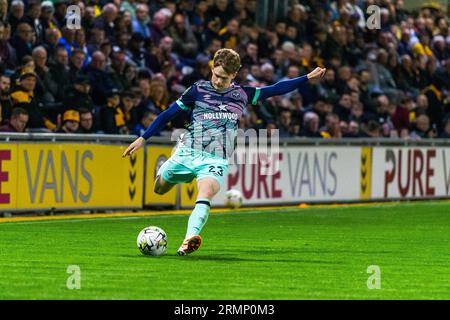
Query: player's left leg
column 208, row 187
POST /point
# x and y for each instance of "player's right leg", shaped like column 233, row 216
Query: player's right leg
column 210, row 171
column 208, row 187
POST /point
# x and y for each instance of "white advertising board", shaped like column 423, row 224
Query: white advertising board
column 298, row 174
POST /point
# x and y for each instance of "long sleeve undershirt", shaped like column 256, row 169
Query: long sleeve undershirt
column 162, row 120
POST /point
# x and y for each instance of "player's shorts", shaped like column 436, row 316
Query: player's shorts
column 187, row 163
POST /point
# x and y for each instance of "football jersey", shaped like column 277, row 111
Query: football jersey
column 215, row 116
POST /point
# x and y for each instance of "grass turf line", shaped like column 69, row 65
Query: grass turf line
column 321, row 253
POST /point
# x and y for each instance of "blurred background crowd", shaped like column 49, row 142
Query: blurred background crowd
column 130, row 59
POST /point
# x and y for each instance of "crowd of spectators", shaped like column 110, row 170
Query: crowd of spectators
column 130, row 59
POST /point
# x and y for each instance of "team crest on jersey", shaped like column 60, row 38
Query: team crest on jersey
column 236, row 95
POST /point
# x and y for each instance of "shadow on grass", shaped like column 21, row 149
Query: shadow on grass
column 226, row 258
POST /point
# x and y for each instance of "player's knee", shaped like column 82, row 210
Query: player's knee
column 208, row 191
column 209, row 194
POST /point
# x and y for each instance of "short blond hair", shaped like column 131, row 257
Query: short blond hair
column 228, row 59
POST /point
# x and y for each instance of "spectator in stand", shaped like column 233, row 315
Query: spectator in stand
column 129, row 110
column 70, row 122
column 328, row 88
column 76, row 63
column 22, row 41
column 284, row 124
column 47, row 17
column 399, row 116
column 421, row 106
column 51, row 41
column 353, row 130
column 59, row 75
column 78, row 94
column 159, row 96
column 267, row 73
column 251, row 55
column 422, row 128
column 5, row 98
column 217, row 14
column 184, row 42
column 163, row 59
column 446, row 133
column 23, row 96
column 145, row 103
column 7, row 53
column 320, row 108
column 32, row 18
column 16, row 14
column 17, row 122
column 106, row 21
column 86, row 121
column 371, row 130
column 97, row 37
column 118, row 70
column 343, row 108
column 81, row 43
column 141, row 20
column 3, row 10
column 332, row 127
column 369, row 71
column 135, row 51
column 67, row 39
column 158, row 25
column 311, row 125
column 230, row 34
column 144, row 123
column 99, row 79
column 112, row 116
column 60, row 12
column 201, row 71
column 45, row 86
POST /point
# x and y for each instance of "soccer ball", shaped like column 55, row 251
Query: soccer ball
column 233, row 199
column 152, row 241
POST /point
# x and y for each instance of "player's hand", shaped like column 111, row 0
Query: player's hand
column 317, row 73
column 139, row 142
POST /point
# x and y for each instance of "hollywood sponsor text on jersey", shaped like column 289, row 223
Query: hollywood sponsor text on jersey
column 220, row 116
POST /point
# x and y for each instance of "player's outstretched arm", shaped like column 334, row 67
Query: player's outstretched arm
column 156, row 126
column 133, row 147
column 316, row 74
column 284, row 86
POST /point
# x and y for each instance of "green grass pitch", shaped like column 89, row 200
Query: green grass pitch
column 315, row 253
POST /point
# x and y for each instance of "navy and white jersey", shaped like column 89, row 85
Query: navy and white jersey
column 215, row 116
